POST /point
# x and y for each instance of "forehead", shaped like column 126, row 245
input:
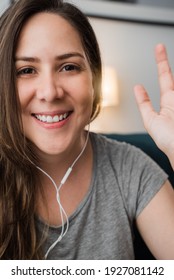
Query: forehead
column 48, row 27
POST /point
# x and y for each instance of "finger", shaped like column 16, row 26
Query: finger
column 144, row 105
column 164, row 71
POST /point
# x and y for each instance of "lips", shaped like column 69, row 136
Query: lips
column 51, row 118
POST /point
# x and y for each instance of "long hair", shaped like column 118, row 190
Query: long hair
column 19, row 238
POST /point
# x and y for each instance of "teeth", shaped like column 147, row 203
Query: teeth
column 55, row 118
column 50, row 119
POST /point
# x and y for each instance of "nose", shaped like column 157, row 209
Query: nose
column 49, row 88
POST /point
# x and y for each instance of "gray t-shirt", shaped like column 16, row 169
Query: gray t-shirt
column 124, row 180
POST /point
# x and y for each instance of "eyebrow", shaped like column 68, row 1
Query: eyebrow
column 59, row 57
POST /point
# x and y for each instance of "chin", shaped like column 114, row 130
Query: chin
column 49, row 150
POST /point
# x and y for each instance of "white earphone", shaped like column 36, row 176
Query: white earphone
column 64, row 217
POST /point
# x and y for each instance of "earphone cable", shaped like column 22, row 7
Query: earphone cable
column 63, row 213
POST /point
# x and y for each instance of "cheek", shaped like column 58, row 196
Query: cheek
column 80, row 88
column 86, row 107
column 24, row 94
column 86, row 95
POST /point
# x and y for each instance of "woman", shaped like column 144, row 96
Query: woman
column 66, row 193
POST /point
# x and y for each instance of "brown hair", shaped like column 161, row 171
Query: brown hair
column 19, row 238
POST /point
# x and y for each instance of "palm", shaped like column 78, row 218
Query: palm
column 160, row 125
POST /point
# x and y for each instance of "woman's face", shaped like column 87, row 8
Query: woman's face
column 54, row 83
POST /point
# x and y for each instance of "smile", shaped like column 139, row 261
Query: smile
column 51, row 119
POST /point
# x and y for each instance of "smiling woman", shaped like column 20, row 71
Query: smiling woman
column 55, row 88
column 67, row 193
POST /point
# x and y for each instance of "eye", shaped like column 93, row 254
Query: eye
column 25, row 71
column 71, row 67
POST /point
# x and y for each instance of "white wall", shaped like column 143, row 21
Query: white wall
column 129, row 47
column 3, row 5
column 162, row 3
column 157, row 3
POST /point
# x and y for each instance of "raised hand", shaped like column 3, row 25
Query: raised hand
column 160, row 125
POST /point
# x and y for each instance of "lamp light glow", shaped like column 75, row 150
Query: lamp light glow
column 109, row 87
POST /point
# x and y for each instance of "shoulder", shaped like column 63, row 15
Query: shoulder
column 134, row 173
column 113, row 147
column 123, row 157
column 103, row 141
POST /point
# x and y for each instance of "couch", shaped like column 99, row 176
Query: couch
column 145, row 143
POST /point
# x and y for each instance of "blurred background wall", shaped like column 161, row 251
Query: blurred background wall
column 127, row 34
column 3, row 4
